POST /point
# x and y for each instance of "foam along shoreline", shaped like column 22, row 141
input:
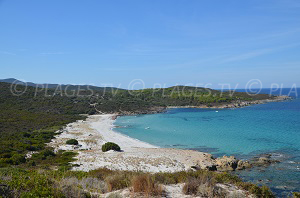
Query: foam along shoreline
column 135, row 156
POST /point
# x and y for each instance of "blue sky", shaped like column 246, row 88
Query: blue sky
column 165, row 42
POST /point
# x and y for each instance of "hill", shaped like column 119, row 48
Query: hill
column 54, row 86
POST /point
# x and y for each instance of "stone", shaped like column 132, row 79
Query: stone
column 226, row 163
column 243, row 165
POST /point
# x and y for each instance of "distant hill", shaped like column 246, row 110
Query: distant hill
column 53, row 86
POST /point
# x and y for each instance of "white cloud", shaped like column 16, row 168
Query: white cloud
column 256, row 53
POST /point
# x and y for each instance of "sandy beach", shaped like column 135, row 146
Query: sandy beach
column 135, row 155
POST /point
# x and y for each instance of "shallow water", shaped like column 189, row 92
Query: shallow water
column 245, row 132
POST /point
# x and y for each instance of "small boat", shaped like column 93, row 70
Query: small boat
column 147, row 128
column 217, row 111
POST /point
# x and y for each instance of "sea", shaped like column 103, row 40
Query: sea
column 271, row 128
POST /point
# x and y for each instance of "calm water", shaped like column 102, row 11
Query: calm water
column 245, row 132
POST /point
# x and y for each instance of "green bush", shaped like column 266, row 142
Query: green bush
column 296, row 194
column 110, row 146
column 72, row 142
column 47, row 153
column 18, row 159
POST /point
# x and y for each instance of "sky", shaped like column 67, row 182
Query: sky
column 151, row 43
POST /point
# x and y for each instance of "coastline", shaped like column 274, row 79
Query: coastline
column 238, row 104
column 135, row 155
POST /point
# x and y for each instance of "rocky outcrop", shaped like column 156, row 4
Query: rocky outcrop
column 264, row 160
column 231, row 164
column 243, row 165
column 236, row 103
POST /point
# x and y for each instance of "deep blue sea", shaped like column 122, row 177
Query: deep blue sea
column 245, row 132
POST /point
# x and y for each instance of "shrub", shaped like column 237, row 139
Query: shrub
column 72, row 142
column 110, row 146
column 47, row 153
column 146, row 185
column 117, row 182
column 263, row 191
column 191, row 187
column 203, row 185
column 5, row 191
column 266, row 192
column 72, row 187
column 101, row 173
column 18, row 159
column 296, row 194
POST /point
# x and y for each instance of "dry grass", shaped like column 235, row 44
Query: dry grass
column 191, row 187
column 73, row 187
column 145, row 184
column 117, row 181
column 90, row 141
column 204, row 186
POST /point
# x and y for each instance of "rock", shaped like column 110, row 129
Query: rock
column 211, row 168
column 195, row 168
column 226, row 163
column 231, row 164
column 264, row 160
column 243, row 165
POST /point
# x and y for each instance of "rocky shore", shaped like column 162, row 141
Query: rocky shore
column 237, row 104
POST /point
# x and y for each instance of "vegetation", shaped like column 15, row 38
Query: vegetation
column 90, row 101
column 296, row 194
column 72, row 142
column 31, row 119
column 50, row 183
column 146, row 185
column 28, row 168
column 110, row 146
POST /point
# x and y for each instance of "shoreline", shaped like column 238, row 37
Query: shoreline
column 135, row 155
column 238, row 104
column 232, row 105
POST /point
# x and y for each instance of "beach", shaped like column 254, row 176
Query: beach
column 135, row 155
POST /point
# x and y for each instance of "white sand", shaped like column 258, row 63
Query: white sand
column 104, row 125
column 136, row 155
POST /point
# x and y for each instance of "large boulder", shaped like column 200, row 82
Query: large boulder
column 231, row 163
column 226, row 163
column 243, row 165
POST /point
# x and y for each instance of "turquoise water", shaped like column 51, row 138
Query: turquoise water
column 245, row 132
